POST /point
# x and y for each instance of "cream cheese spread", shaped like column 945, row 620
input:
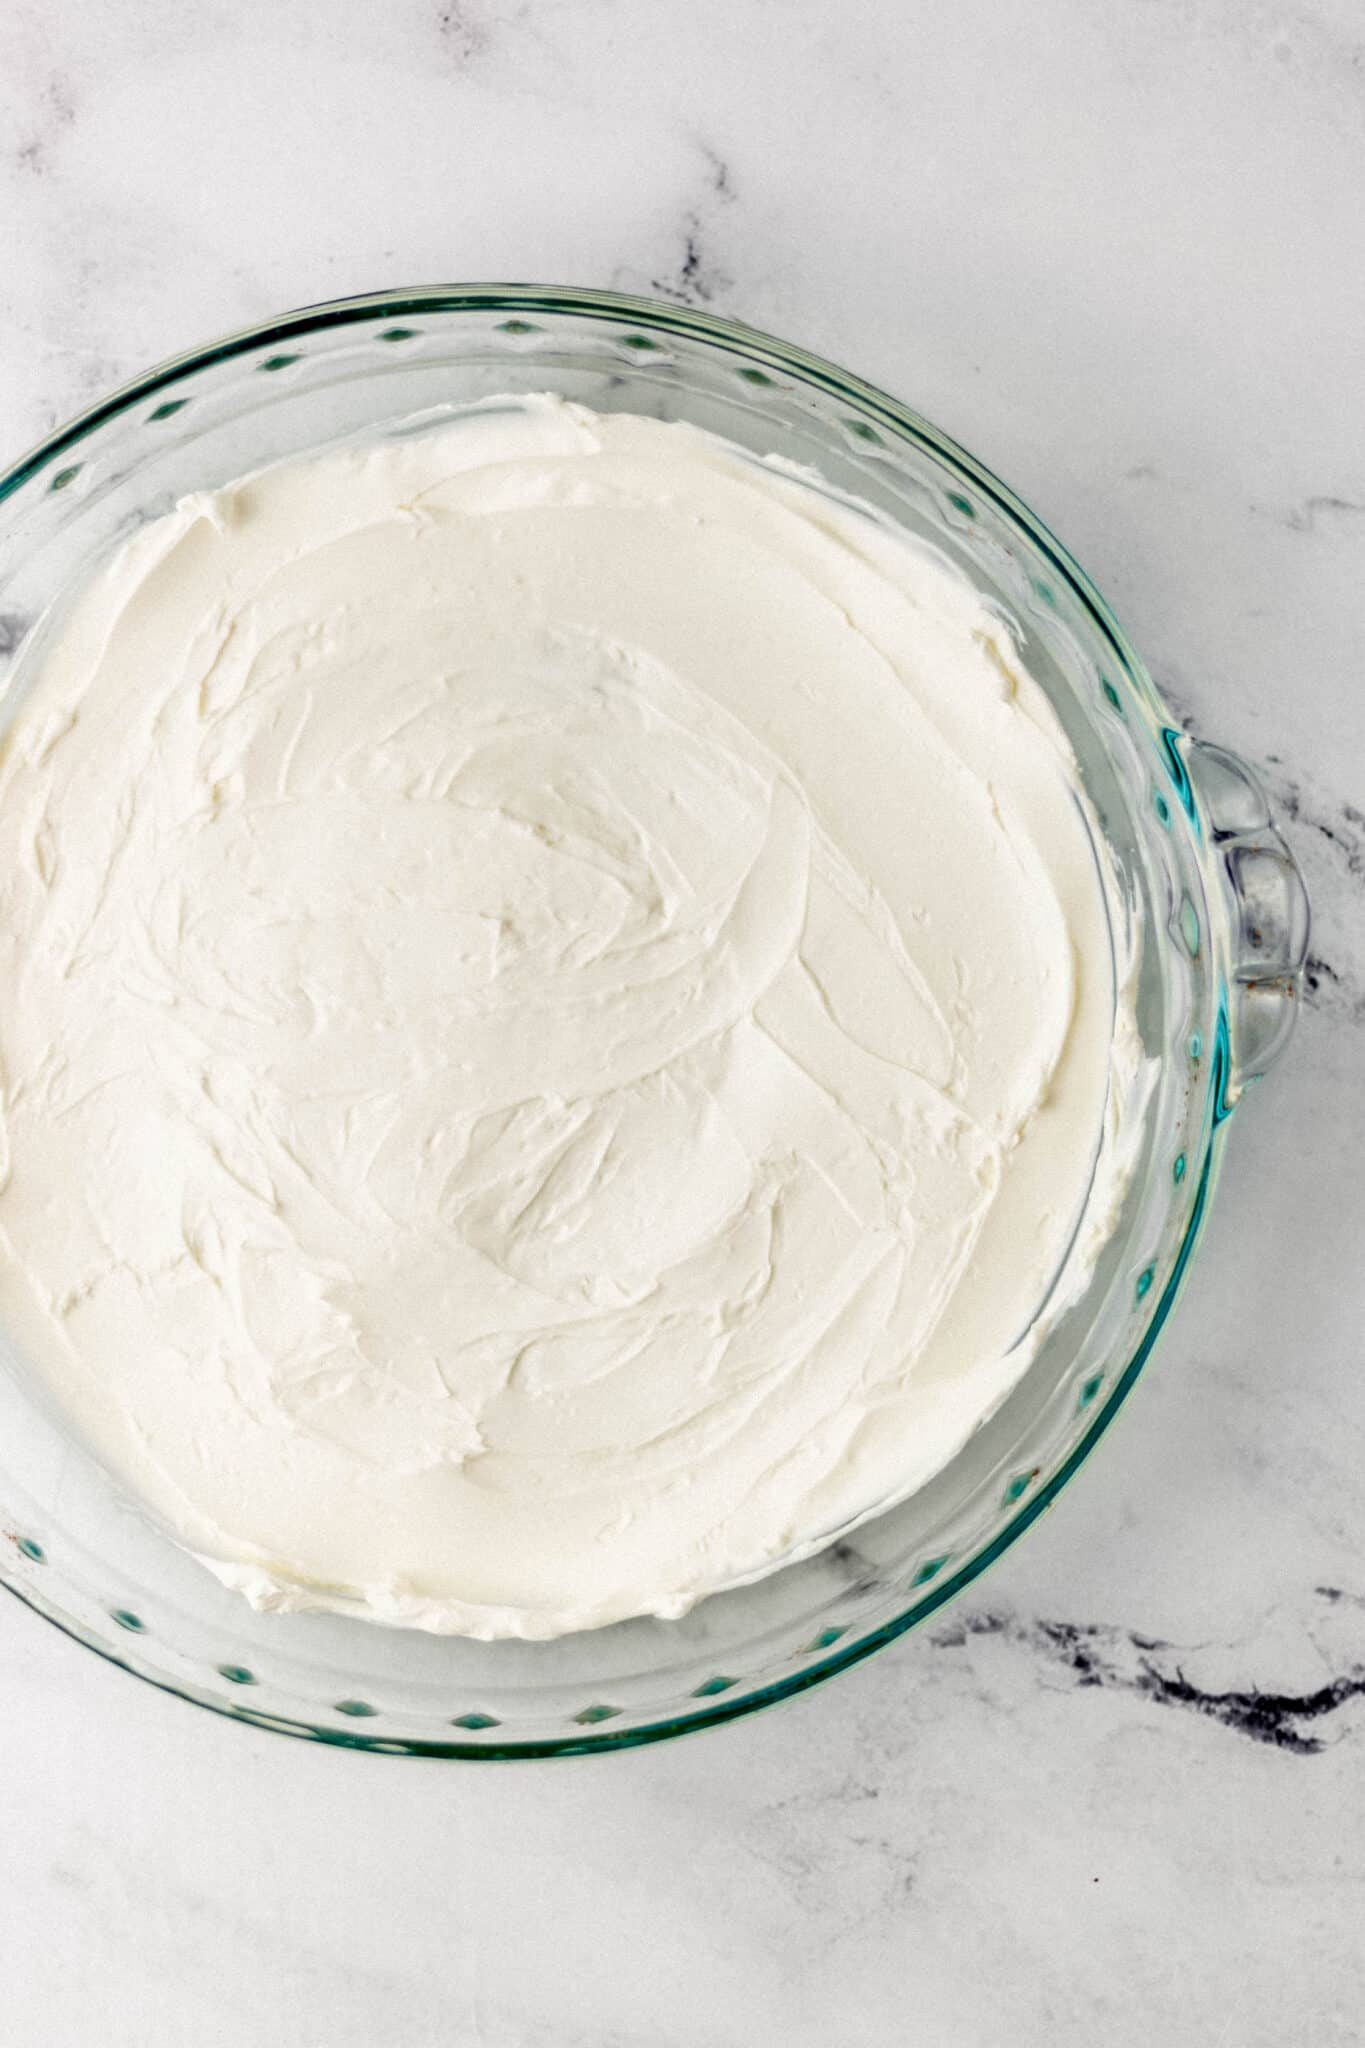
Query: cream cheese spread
column 562, row 1017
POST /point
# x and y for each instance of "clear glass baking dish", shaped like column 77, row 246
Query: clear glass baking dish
column 1220, row 903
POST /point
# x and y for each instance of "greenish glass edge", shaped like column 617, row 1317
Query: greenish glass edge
column 766, row 1696
column 600, row 305
column 662, row 317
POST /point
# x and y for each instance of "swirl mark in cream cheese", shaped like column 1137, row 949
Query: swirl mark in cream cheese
column 560, row 1021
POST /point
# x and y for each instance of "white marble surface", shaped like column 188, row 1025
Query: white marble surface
column 1116, row 249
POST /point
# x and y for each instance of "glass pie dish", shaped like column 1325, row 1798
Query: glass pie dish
column 1207, row 880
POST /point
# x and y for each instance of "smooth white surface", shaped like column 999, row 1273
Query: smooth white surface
column 1115, row 250
column 556, row 1156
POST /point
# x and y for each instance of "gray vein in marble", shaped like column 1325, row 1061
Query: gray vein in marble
column 1335, row 1596
column 790, row 1836
column 697, row 278
column 1123, row 1661
column 55, row 108
column 1323, row 515
column 464, row 31
column 1323, row 512
column 1335, row 985
column 1345, row 834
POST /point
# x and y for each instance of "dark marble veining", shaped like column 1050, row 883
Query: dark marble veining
column 1333, row 989
column 698, row 277
column 1343, row 829
column 1328, row 835
column 1144, row 1667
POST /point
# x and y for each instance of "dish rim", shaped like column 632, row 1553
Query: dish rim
column 766, row 351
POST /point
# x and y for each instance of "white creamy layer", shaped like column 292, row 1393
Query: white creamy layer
column 559, row 1021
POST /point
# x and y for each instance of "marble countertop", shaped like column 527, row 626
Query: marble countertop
column 1116, row 250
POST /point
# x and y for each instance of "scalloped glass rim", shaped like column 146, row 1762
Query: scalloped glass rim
column 766, row 1696
column 765, row 352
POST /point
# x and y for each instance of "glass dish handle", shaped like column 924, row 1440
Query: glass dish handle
column 1266, row 900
